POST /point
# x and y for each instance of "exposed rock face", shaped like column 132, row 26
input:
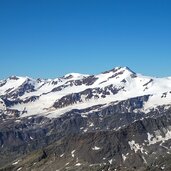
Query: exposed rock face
column 132, row 147
column 25, row 88
column 88, row 94
column 112, row 137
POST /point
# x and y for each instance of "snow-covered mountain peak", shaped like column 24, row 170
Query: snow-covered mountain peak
column 75, row 76
column 120, row 69
column 13, row 77
column 78, row 91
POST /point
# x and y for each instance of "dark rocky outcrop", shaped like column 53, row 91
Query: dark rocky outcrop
column 87, row 94
column 112, row 137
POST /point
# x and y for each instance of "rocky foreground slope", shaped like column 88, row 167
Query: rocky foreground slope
column 116, row 120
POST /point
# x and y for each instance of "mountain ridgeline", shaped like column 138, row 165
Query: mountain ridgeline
column 117, row 120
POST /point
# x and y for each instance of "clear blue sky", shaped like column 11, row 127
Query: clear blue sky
column 49, row 38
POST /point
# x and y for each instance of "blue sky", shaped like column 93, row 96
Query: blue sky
column 49, row 38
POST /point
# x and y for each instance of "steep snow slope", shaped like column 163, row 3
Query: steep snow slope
column 77, row 91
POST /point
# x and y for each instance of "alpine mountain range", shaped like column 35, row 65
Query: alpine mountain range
column 117, row 120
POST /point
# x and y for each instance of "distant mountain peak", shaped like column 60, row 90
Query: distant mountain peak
column 128, row 69
column 119, row 69
column 13, row 77
column 74, row 75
